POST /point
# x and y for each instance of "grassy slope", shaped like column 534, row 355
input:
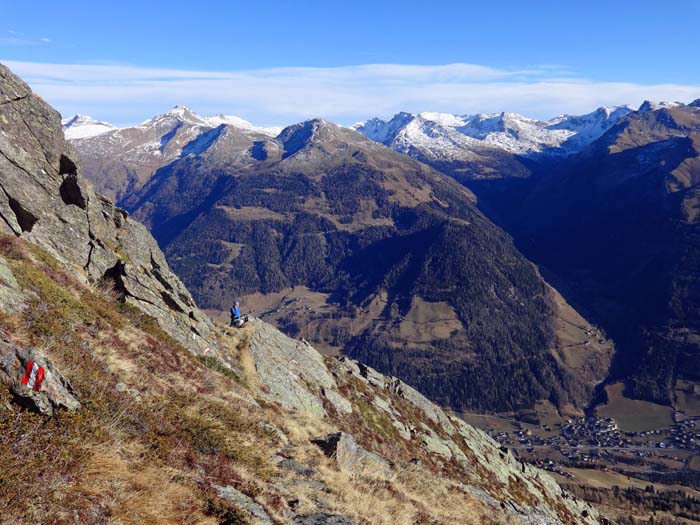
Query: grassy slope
column 158, row 426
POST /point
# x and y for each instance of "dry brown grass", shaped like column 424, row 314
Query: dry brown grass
column 149, row 451
column 413, row 497
column 141, row 454
column 132, row 492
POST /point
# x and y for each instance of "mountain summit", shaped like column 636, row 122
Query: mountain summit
column 83, row 126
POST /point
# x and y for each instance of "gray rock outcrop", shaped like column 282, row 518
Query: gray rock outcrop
column 45, row 199
column 293, row 373
column 351, row 458
column 323, row 518
column 256, row 513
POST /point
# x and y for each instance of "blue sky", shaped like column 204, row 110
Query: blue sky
column 277, row 62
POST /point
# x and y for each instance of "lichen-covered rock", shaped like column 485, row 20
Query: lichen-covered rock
column 256, row 513
column 55, row 391
column 45, row 199
column 292, row 373
column 12, row 298
column 351, row 458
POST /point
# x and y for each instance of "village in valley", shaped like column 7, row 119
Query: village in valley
column 597, row 443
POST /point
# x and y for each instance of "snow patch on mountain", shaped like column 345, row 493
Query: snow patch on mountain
column 82, row 126
column 237, row 122
column 648, row 105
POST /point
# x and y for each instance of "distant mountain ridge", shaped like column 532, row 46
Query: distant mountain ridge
column 83, row 126
column 125, row 158
column 466, row 147
column 444, row 136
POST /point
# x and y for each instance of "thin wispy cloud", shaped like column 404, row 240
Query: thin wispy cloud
column 18, row 39
column 127, row 94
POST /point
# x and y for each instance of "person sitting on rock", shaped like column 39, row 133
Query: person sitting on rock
column 236, row 319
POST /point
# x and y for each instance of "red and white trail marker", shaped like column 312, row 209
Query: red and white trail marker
column 206, row 350
column 33, row 375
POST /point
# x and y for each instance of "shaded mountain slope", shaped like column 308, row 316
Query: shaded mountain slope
column 619, row 224
column 418, row 282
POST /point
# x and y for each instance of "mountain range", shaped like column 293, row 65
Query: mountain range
column 403, row 270
column 120, row 401
column 443, row 136
column 526, row 175
column 125, row 158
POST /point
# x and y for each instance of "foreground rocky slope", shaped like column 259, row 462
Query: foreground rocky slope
column 129, row 426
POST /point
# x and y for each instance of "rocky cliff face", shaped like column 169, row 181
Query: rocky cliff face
column 46, row 200
column 129, row 426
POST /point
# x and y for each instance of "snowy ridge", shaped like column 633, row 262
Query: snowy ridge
column 237, row 122
column 83, row 126
column 444, row 136
column 186, row 115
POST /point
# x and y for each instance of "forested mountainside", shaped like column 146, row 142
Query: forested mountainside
column 415, row 278
column 618, row 224
column 125, row 417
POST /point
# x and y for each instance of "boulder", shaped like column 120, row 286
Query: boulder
column 55, row 391
column 256, row 513
column 351, row 458
column 294, row 467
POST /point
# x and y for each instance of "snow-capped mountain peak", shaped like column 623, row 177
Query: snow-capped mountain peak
column 444, row 136
column 238, row 122
column 179, row 114
column 83, row 126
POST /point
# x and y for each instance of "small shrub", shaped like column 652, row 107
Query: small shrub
column 212, row 363
column 55, row 310
column 225, row 512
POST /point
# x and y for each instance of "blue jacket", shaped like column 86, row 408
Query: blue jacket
column 235, row 312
